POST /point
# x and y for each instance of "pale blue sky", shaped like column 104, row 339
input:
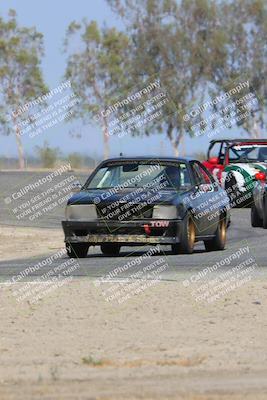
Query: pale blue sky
column 52, row 18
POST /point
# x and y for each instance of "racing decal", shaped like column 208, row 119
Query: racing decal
column 260, row 167
column 159, row 224
column 224, row 174
column 240, row 180
column 155, row 224
column 244, row 173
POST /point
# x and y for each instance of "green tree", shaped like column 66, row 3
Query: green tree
column 98, row 72
column 21, row 80
column 75, row 160
column 199, row 49
column 170, row 42
column 245, row 26
column 48, row 155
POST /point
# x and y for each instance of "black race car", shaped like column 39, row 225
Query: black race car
column 139, row 201
column 259, row 205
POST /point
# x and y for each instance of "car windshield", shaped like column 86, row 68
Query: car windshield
column 140, row 175
column 248, row 153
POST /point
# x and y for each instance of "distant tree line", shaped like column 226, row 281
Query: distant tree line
column 49, row 157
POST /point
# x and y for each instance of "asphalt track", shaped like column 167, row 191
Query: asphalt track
column 240, row 234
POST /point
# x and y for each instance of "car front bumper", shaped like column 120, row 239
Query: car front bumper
column 126, row 232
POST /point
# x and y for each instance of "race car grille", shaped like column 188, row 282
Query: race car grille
column 124, row 211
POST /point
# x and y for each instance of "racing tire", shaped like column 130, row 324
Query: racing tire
column 256, row 221
column 187, row 237
column 77, row 250
column 218, row 242
column 110, row 249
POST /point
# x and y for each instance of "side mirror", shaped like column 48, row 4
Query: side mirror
column 260, row 176
column 76, row 187
column 213, row 160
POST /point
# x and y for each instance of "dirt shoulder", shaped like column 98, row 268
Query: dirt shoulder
column 160, row 344
column 25, row 242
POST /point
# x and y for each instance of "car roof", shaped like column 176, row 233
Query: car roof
column 152, row 158
column 239, row 141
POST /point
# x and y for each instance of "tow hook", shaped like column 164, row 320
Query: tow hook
column 147, row 229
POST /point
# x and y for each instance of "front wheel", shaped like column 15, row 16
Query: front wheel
column 187, row 237
column 218, row 242
column 77, row 250
column 110, row 249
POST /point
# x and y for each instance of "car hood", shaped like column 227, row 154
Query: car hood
column 105, row 197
